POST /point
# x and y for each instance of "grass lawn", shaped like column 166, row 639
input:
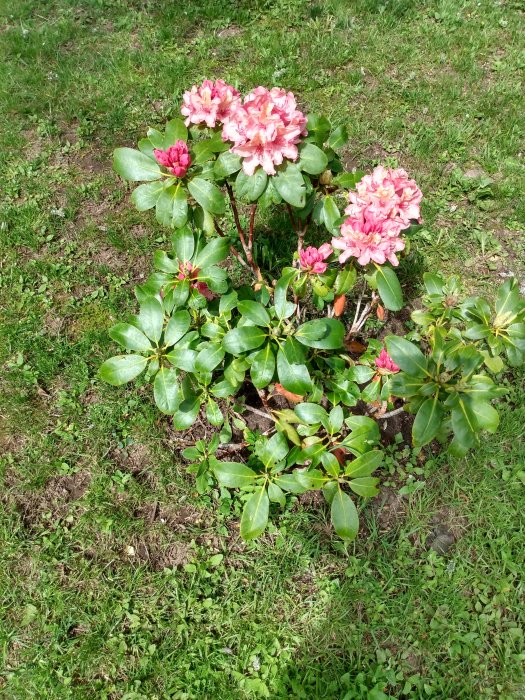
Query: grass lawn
column 118, row 581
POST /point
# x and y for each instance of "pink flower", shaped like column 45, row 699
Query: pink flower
column 369, row 236
column 390, row 192
column 209, row 103
column 311, row 259
column 265, row 129
column 176, row 158
column 385, row 362
column 187, row 271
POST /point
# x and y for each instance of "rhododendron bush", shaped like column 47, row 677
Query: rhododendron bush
column 290, row 348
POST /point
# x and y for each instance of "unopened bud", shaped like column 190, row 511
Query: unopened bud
column 326, row 177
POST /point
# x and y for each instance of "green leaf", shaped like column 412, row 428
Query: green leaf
column 293, row 377
column 209, row 357
column 226, row 164
column 255, row 312
column 487, row 417
column 172, row 207
column 428, row 421
column 187, row 412
column 364, row 465
column 508, row 300
column 163, row 262
column 276, row 494
column 322, row 333
column 255, row 514
column 178, row 326
column 166, row 390
column 130, row 337
column 145, row 196
column 433, row 283
column 331, row 464
column 213, row 252
column 183, row 244
column 289, row 184
column 464, row 422
column 311, row 413
column 404, row 386
column 282, row 306
column 134, row 165
column 207, row 195
column 242, row 339
column 318, row 126
column 330, row 215
column 234, row 475
column 348, row 180
column 365, row 486
column 311, row 159
column 344, row 516
column 273, row 450
column 290, row 482
column 338, row 137
column 213, row 413
column 345, row 280
column 389, row 288
column 183, row 358
column 175, row 131
column 151, row 318
column 251, row 187
column 406, row 355
column 263, row 367
column 122, row 368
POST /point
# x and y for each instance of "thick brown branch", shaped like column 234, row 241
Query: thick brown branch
column 252, row 224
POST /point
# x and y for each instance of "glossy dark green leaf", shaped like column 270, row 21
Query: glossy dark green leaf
column 338, row 137
column 213, row 413
column 186, row 413
column 255, row 514
column 290, row 184
column 175, row 131
column 145, row 196
column 129, row 337
column 389, row 288
column 263, row 367
column 166, row 390
column 209, row 357
column 244, row 338
column 183, row 358
column 134, row 165
column 183, row 244
column 322, row 333
column 255, row 312
column 177, row 326
column 406, row 355
column 121, row 369
column 213, row 252
column 226, row 164
column 251, row 187
column 312, row 159
column 293, row 377
column 365, row 486
column 151, row 318
column 234, row 475
column 311, row 413
column 428, row 421
column 207, row 195
column 364, row 465
column 344, row 516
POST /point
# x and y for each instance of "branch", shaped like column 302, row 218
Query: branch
column 235, row 211
column 233, row 249
column 252, row 223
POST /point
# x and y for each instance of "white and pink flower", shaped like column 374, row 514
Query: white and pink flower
column 265, row 129
column 176, row 158
column 209, row 103
column 312, row 259
column 369, row 237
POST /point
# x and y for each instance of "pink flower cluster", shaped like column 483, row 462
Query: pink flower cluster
column 265, row 129
column 385, row 362
column 390, row 193
column 209, row 103
column 312, row 259
column 176, row 158
column 383, row 205
column 368, row 236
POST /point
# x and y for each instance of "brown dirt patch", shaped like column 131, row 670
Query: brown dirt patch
column 151, row 551
column 388, row 509
column 55, row 498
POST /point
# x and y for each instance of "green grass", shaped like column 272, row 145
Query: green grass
column 118, row 580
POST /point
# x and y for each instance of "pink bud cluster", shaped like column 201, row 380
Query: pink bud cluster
column 385, row 362
column 209, row 103
column 312, row 259
column 187, row 271
column 176, row 158
column 384, row 204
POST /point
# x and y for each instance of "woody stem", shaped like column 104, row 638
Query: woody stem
column 233, row 250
